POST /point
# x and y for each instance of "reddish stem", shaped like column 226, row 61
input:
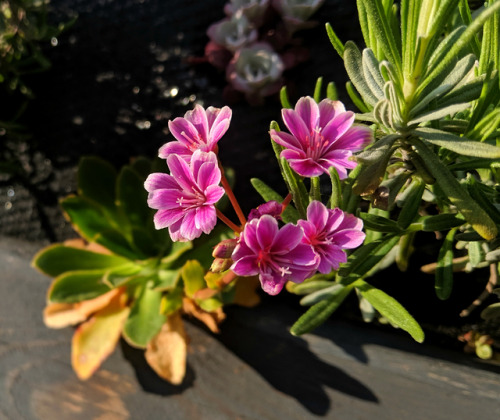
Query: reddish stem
column 228, row 278
column 232, row 198
column 228, row 222
column 286, row 202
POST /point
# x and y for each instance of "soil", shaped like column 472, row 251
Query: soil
column 122, row 71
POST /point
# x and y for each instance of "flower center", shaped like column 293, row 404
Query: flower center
column 315, row 144
column 194, row 142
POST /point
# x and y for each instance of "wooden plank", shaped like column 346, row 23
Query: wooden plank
column 254, row 370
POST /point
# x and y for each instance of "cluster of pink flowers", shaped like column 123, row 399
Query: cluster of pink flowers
column 321, row 136
column 253, row 44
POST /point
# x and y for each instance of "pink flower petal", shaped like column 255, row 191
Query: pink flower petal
column 267, row 228
column 306, row 167
column 286, row 140
column 159, row 180
column 296, row 125
column 188, row 228
column 166, row 218
column 338, row 126
column 175, row 148
column 317, row 214
column 181, row 172
column 355, row 139
column 328, row 110
column 165, row 199
column 198, row 117
column 246, row 266
column 185, row 133
column 288, row 237
column 213, row 193
column 307, row 110
column 205, row 218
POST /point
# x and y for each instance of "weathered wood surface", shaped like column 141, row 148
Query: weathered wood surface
column 253, row 370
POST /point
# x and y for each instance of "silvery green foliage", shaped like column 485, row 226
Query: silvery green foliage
column 427, row 81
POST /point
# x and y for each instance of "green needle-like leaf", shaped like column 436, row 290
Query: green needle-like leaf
column 391, row 309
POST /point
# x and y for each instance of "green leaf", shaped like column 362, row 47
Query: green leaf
column 285, row 102
column 145, row 319
column 317, row 89
column 331, row 91
column 390, row 309
column 444, row 268
column 372, row 74
column 334, row 39
column 193, row 276
column 290, row 215
column 167, row 279
column 57, row 259
column 96, row 181
column 379, row 223
column 336, row 196
column 354, row 67
column 459, row 45
column 377, row 19
column 472, row 212
column 411, row 204
column 363, row 259
column 460, row 145
column 132, row 197
column 172, row 301
column 321, row 294
column 117, row 243
column 320, row 312
column 77, row 286
column 475, row 190
column 307, row 287
column 440, row 222
column 86, row 217
column 124, row 275
column 358, row 102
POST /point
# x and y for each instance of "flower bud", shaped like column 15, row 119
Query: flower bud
column 221, row 264
column 224, row 249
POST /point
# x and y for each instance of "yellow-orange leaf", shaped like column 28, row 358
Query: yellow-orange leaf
column 95, row 339
column 246, row 292
column 210, row 319
column 60, row 315
column 166, row 352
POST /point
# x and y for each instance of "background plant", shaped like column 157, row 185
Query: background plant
column 428, row 84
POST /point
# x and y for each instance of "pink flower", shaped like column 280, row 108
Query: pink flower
column 276, row 255
column 273, row 208
column 200, row 129
column 329, row 232
column 185, row 199
column 321, row 136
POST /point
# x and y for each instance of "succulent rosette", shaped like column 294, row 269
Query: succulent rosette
column 254, row 10
column 256, row 71
column 321, row 136
column 233, row 33
column 295, row 13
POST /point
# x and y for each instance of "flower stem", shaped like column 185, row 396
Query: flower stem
column 228, row 222
column 286, row 202
column 232, row 198
column 228, row 278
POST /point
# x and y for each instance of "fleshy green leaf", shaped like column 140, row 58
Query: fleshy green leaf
column 334, row 39
column 444, row 268
column 319, row 313
column 391, row 309
column 145, row 319
column 96, row 181
column 57, row 259
column 132, row 197
column 472, row 212
column 354, row 67
column 76, row 286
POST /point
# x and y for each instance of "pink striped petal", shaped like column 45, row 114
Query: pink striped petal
column 286, row 140
column 267, row 228
column 356, row 138
column 295, row 125
column 307, row 110
column 205, row 218
column 181, row 171
column 317, row 214
column 198, row 117
column 159, row 180
column 328, row 110
column 338, row 126
column 175, row 148
column 246, row 266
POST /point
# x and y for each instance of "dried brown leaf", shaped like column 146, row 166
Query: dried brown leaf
column 210, row 319
column 60, row 315
column 166, row 352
